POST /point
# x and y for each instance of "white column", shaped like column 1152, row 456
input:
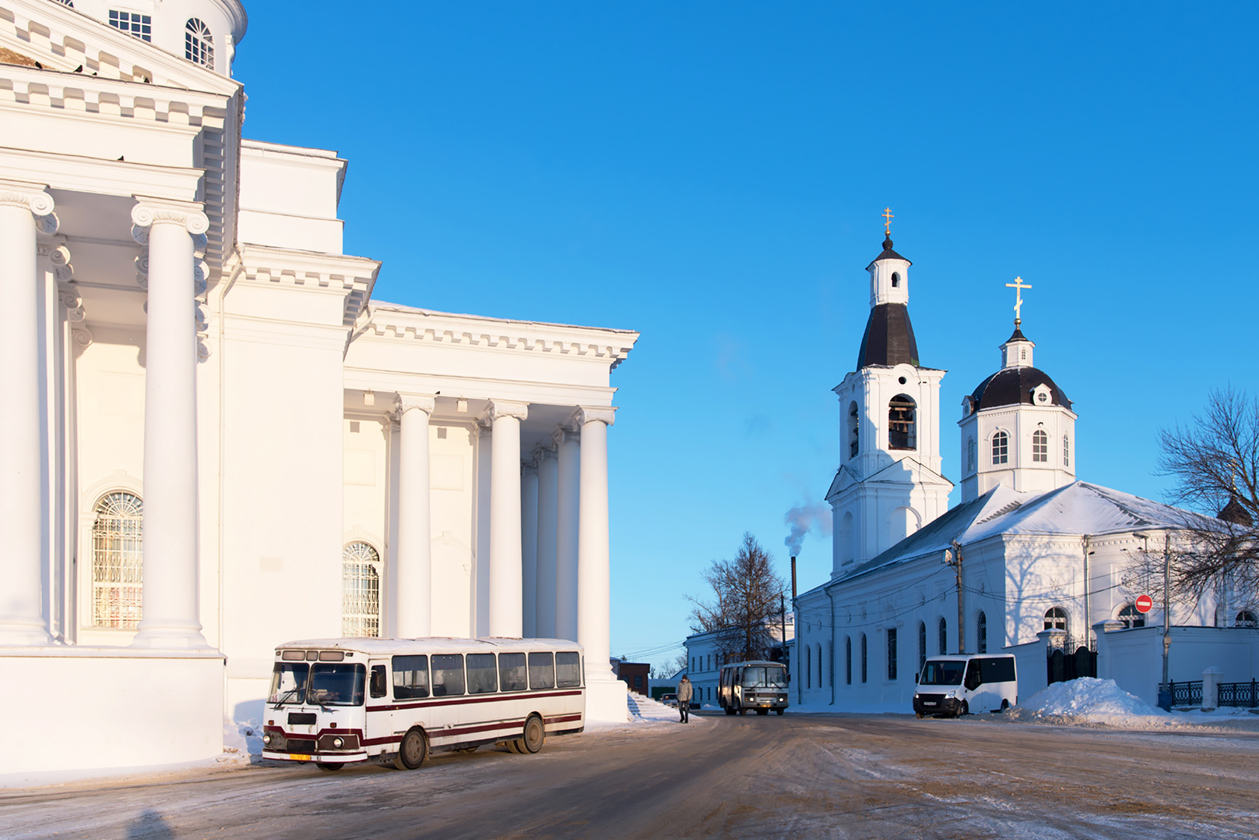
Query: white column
column 481, row 592
column 529, row 548
column 568, row 487
column 593, row 587
column 414, row 586
column 170, row 614
column 506, row 610
column 548, row 502
column 22, row 208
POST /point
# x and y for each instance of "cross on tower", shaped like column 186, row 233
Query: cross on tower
column 887, row 224
column 1018, row 286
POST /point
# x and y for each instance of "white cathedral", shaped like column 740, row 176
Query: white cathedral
column 1028, row 560
column 213, row 439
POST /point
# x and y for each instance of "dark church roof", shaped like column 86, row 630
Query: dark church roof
column 1235, row 513
column 1014, row 385
column 888, row 254
column 889, row 337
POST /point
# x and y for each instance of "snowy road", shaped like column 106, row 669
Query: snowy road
column 799, row 776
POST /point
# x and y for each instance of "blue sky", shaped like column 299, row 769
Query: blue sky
column 713, row 174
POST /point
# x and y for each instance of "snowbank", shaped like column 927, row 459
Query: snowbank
column 1089, row 700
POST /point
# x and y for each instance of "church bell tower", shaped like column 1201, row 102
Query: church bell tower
column 889, row 483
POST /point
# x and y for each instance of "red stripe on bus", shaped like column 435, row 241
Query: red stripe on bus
column 468, row 699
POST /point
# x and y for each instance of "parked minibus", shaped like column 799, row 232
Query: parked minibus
column 752, row 685
column 960, row 685
column 339, row 701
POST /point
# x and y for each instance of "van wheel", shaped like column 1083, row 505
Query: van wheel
column 729, row 710
column 918, row 715
column 412, row 751
column 331, row 765
column 965, row 710
column 1005, row 704
column 535, row 736
column 780, row 711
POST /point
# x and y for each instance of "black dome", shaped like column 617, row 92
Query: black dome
column 1014, row 385
column 889, row 338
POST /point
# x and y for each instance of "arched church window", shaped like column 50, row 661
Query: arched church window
column 1056, row 619
column 808, row 667
column 360, row 590
column 1246, row 618
column 922, row 644
column 1040, row 446
column 900, row 423
column 820, row 682
column 118, row 561
column 1066, row 451
column 1000, row 448
column 854, row 433
column 970, row 455
column 830, row 663
column 1130, row 617
column 891, row 653
column 896, row 279
column 944, row 637
column 848, row 660
column 863, row 657
column 198, row 43
column 981, row 634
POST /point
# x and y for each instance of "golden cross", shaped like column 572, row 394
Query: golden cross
column 1018, row 286
column 887, row 225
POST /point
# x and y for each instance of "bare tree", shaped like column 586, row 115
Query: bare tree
column 746, row 596
column 1215, row 462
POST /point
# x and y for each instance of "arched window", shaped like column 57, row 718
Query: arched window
column 847, row 535
column 896, row 279
column 820, row 681
column 863, row 657
column 981, row 634
column 891, row 653
column 1000, row 448
column 944, row 637
column 900, row 423
column 970, row 455
column 1246, row 618
column 118, row 561
column 360, row 590
column 1056, row 619
column 808, row 666
column 1040, row 447
column 1130, row 617
column 848, row 660
column 830, row 663
column 198, row 43
column 854, row 431
column 922, row 644
column 1066, row 450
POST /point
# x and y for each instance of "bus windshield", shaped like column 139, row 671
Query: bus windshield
column 336, row 684
column 758, row 676
column 943, row 673
column 288, row 682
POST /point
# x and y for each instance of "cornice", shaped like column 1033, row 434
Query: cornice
column 428, row 326
column 353, row 276
column 104, row 177
column 62, row 39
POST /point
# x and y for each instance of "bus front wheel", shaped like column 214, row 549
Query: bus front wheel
column 331, row 765
column 535, row 736
column 780, row 711
column 412, row 751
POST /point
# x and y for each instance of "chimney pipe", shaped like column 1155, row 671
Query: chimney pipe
column 793, row 579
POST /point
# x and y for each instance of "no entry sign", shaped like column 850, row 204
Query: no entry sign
column 1144, row 603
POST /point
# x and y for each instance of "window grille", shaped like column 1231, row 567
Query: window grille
column 900, row 423
column 1066, row 451
column 1040, row 447
column 970, row 454
column 854, row 433
column 1056, row 619
column 1000, row 448
column 1130, row 617
column 981, row 640
column 133, row 23
column 118, row 561
column 360, row 590
column 198, row 43
column 1246, row 618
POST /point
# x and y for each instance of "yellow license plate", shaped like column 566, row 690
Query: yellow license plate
column 299, row 757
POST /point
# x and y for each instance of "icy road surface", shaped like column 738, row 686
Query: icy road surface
column 806, row 776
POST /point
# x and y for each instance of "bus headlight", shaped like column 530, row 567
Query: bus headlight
column 952, row 695
column 266, row 738
column 337, row 743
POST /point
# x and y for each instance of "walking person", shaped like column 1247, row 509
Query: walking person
column 685, row 693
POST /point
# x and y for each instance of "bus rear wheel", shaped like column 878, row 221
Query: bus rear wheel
column 412, row 751
column 729, row 710
column 535, row 736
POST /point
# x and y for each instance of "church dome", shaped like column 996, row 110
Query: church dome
column 889, row 338
column 1014, row 385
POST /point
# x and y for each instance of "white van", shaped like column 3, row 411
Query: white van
column 960, row 685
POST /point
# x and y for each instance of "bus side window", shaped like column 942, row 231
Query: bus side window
column 447, row 674
column 482, row 673
column 973, row 679
column 567, row 669
column 511, row 672
column 379, row 685
column 541, row 671
column 410, row 677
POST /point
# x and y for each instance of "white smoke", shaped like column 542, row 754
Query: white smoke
column 805, row 518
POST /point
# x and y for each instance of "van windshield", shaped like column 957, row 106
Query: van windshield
column 942, row 673
column 757, row 677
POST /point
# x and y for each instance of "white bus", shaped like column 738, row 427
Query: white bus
column 753, row 685
column 963, row 684
column 337, row 701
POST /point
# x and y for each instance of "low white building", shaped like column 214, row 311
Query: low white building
column 705, row 656
column 1030, row 558
column 213, row 439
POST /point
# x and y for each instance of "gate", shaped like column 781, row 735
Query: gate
column 1063, row 666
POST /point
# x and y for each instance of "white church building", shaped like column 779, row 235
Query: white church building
column 1031, row 558
column 213, row 439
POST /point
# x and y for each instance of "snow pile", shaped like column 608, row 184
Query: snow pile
column 242, row 738
column 1089, row 700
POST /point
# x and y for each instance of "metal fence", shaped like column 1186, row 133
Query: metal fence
column 1186, row 693
column 1242, row 695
